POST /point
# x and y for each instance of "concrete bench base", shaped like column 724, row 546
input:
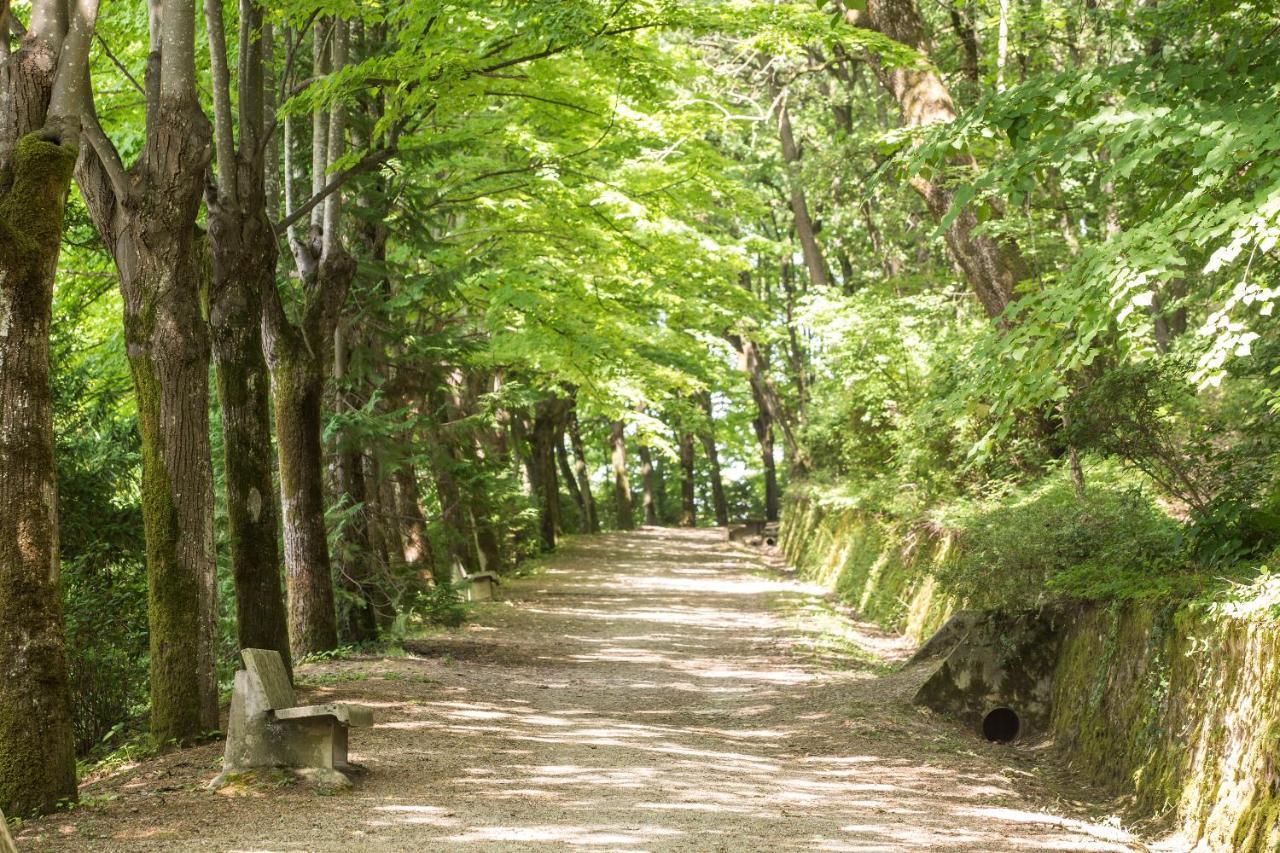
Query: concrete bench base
column 267, row 730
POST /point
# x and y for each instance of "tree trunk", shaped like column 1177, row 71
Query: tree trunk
column 151, row 232
column 297, row 357
column 546, row 429
column 244, row 264
column 37, row 753
column 357, row 621
column 458, row 532
column 244, row 259
column 805, row 230
column 384, row 538
column 571, row 482
column 382, row 528
column 648, row 486
column 992, row 267
column 708, row 436
column 688, row 491
column 413, row 524
column 621, row 485
column 40, row 102
column 764, row 434
column 581, row 470
column 298, row 387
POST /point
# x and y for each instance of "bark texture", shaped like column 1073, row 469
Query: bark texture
column 244, row 263
column 37, row 754
column 244, row 258
column 297, row 380
column 147, row 219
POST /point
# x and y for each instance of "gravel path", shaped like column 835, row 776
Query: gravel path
column 658, row 690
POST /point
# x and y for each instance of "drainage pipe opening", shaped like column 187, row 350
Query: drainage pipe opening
column 1001, row 725
column 770, row 541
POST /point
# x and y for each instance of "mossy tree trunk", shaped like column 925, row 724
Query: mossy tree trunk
column 244, row 265
column 621, row 484
column 37, row 754
column 244, row 262
column 298, row 350
column 42, row 89
column 147, row 217
column 297, row 382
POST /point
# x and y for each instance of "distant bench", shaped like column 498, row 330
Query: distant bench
column 269, row 729
column 480, row 586
column 754, row 532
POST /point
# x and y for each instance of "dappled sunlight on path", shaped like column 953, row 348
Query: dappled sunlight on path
column 648, row 691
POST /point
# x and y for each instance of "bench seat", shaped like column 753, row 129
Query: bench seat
column 358, row 716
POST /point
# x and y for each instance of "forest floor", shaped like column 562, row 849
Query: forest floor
column 659, row 690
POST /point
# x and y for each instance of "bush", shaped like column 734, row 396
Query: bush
column 441, row 605
column 1027, row 546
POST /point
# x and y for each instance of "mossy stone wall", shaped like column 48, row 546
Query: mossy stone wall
column 882, row 569
column 1177, row 705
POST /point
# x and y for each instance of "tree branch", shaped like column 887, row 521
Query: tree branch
column 104, row 149
column 366, row 163
column 106, row 48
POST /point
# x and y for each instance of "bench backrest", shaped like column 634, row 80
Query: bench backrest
column 267, row 665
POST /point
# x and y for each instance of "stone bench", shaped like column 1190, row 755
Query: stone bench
column 754, row 532
column 269, row 729
column 480, row 586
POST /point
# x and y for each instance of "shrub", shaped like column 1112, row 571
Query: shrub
column 1026, row 546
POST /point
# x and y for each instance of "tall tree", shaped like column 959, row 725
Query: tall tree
column 814, row 262
column 298, row 353
column 244, row 259
column 621, row 483
column 580, row 468
column 707, row 434
column 688, row 487
column 648, row 485
column 548, row 414
column 992, row 267
column 146, row 215
column 42, row 89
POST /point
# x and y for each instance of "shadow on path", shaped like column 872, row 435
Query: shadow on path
column 648, row 691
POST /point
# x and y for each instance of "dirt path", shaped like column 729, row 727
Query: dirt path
column 648, row 691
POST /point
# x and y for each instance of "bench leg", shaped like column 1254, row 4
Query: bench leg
column 312, row 743
column 340, row 747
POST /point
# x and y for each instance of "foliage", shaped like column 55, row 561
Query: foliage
column 1023, row 546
